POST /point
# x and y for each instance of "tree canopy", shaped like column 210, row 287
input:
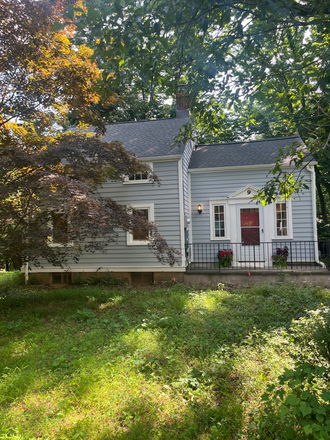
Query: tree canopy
column 50, row 179
column 251, row 69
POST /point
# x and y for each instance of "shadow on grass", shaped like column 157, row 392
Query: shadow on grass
column 158, row 363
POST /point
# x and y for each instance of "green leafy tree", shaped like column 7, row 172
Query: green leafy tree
column 254, row 68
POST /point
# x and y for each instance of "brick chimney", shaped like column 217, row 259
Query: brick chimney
column 182, row 103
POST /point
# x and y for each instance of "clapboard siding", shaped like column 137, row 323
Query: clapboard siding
column 219, row 185
column 167, row 216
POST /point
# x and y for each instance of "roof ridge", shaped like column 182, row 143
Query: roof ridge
column 250, row 141
column 144, row 120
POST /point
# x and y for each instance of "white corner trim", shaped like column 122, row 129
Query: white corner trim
column 311, row 169
column 189, row 208
column 180, row 177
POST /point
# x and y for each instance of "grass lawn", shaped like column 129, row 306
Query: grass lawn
column 169, row 362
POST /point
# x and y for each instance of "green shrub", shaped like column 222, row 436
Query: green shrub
column 298, row 407
column 11, row 279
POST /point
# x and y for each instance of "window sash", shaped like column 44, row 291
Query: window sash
column 219, row 228
column 137, row 176
column 281, row 220
column 139, row 235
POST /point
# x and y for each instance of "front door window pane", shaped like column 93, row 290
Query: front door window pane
column 250, row 236
column 250, row 230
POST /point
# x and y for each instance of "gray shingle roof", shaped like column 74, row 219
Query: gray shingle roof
column 147, row 138
column 231, row 154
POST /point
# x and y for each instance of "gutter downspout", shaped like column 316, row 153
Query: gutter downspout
column 312, row 171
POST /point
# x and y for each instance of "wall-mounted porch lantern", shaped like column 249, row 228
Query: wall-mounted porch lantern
column 200, row 209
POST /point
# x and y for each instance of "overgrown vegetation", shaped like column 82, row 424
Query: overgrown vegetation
column 167, row 362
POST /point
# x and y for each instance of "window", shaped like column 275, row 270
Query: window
column 138, row 236
column 218, row 221
column 60, row 225
column 281, row 220
column 138, row 177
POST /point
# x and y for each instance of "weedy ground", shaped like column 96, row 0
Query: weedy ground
column 166, row 362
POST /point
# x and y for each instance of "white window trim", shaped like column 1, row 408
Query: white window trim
column 134, row 182
column 224, row 203
column 289, row 236
column 151, row 218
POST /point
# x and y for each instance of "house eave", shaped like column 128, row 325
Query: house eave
column 175, row 158
column 240, row 167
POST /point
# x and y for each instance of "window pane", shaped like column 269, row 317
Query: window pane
column 281, row 220
column 138, row 176
column 219, row 221
column 249, row 217
column 141, row 233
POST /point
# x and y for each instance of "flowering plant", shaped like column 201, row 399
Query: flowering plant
column 225, row 258
column 280, row 257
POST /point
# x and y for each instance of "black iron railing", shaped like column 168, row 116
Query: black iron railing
column 279, row 255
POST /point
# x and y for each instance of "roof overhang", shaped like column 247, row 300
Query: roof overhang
column 247, row 167
column 175, row 157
